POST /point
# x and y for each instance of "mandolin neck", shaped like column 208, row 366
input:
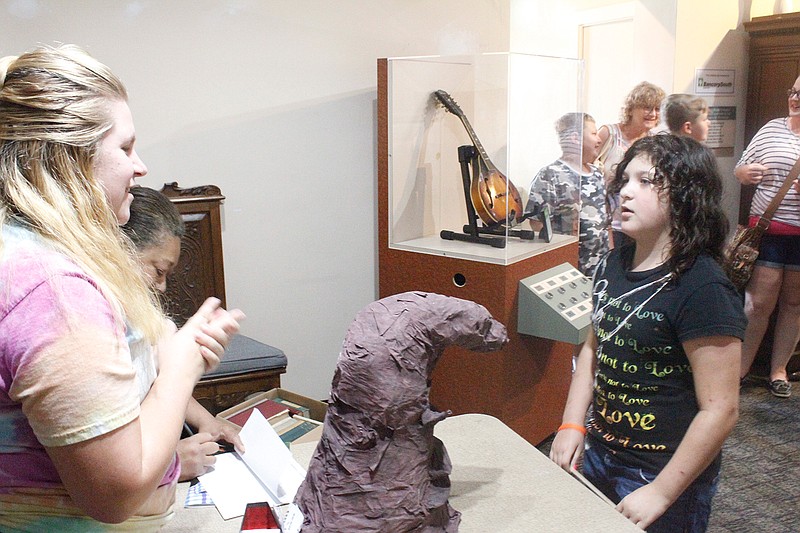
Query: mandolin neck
column 477, row 143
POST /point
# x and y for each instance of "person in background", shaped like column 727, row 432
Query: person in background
column 639, row 116
column 765, row 163
column 155, row 227
column 80, row 447
column 687, row 115
column 660, row 364
column 573, row 189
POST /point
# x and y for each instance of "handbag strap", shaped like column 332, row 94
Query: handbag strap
column 773, row 205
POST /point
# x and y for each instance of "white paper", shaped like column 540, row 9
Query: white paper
column 273, row 463
column 265, row 472
column 293, row 520
column 232, row 486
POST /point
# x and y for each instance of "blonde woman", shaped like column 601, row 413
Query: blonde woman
column 640, row 114
column 80, row 448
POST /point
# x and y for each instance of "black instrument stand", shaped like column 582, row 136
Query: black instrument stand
column 495, row 234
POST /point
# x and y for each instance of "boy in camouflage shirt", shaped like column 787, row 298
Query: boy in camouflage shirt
column 574, row 191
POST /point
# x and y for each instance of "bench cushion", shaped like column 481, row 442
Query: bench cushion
column 247, row 355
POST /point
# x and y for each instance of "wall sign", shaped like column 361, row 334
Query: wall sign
column 722, row 130
column 714, row 81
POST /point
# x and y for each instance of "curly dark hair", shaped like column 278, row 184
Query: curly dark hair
column 687, row 172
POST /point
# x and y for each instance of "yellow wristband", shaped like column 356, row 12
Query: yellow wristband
column 576, row 427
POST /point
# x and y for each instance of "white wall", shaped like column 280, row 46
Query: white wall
column 671, row 38
column 638, row 43
column 763, row 8
column 273, row 101
column 710, row 35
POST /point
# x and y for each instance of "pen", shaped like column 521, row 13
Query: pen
column 305, row 419
column 225, row 447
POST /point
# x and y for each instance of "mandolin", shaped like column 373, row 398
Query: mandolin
column 495, row 198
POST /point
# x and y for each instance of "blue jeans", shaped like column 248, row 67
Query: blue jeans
column 689, row 513
column 779, row 251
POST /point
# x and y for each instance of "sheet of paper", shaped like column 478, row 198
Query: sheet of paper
column 272, row 463
column 292, row 521
column 232, row 486
column 197, row 496
column 265, row 472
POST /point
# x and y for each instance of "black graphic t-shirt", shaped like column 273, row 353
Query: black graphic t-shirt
column 644, row 398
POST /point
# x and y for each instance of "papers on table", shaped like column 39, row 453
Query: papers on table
column 196, row 496
column 265, row 472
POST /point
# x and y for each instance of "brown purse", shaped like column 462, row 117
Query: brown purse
column 742, row 251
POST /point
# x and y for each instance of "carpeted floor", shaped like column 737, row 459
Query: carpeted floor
column 760, row 487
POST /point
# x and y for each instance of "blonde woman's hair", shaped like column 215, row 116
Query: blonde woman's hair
column 645, row 95
column 54, row 111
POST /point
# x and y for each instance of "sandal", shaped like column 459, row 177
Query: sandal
column 780, row 388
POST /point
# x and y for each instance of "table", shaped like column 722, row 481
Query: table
column 500, row 483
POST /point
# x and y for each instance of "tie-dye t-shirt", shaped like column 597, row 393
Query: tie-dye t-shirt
column 66, row 376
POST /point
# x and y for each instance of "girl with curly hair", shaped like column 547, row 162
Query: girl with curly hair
column 660, row 366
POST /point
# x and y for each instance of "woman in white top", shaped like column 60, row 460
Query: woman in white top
column 765, row 163
column 640, row 114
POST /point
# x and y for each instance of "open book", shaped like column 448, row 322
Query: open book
column 266, row 472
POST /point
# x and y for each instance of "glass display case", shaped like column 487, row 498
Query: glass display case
column 466, row 137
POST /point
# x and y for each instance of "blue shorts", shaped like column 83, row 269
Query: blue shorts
column 779, row 251
column 688, row 514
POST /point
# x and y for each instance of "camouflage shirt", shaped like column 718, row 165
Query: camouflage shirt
column 567, row 192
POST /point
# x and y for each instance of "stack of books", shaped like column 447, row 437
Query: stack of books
column 290, row 420
column 291, row 427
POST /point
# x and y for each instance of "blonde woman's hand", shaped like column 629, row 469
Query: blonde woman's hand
column 196, row 348
column 215, row 334
column 179, row 351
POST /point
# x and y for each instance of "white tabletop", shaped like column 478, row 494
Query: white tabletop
column 500, row 482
